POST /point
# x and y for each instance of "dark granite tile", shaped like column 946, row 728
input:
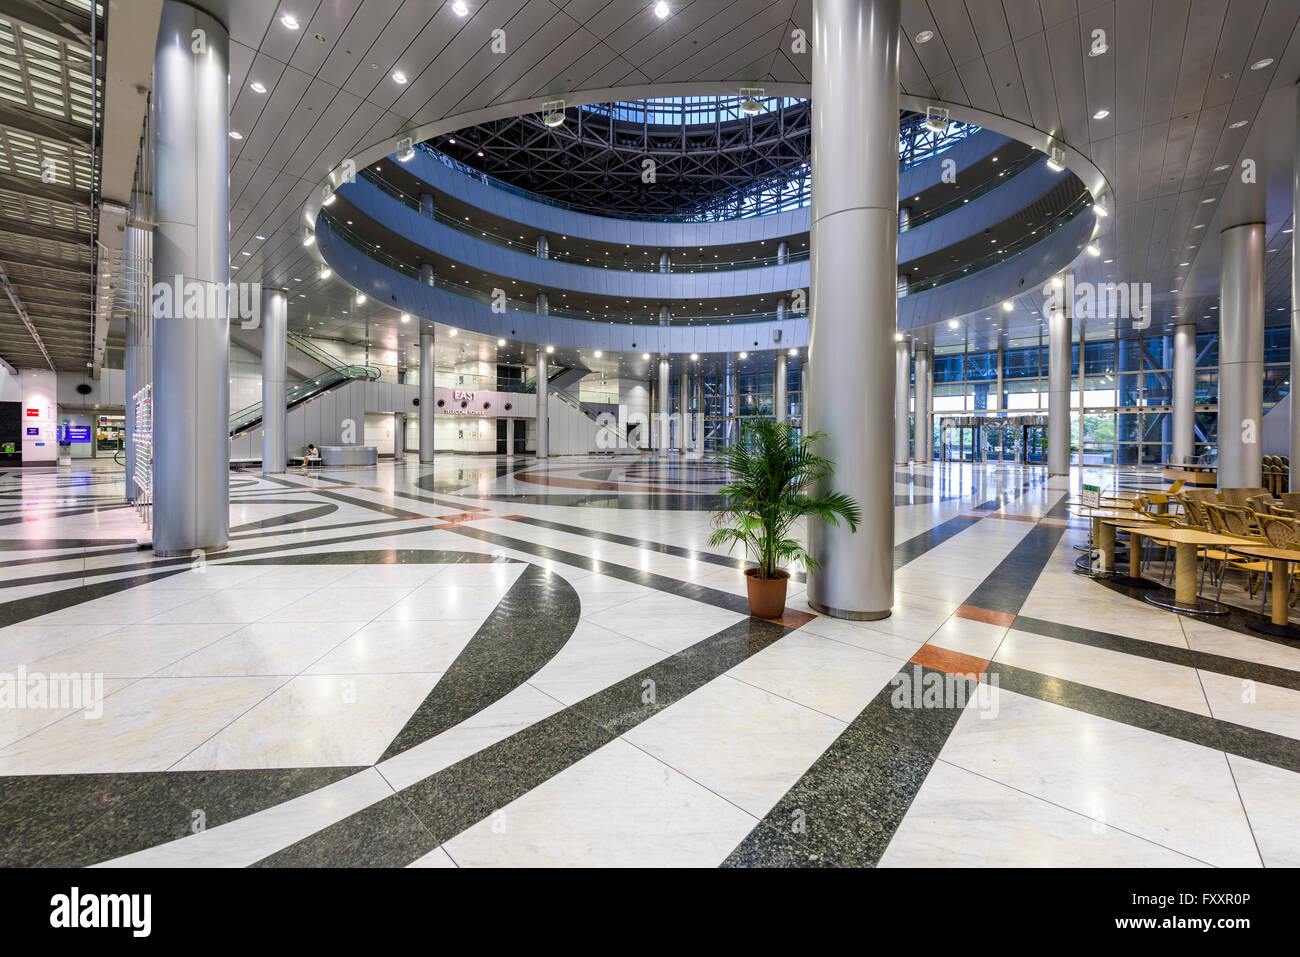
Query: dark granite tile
column 770, row 846
column 1008, row 585
column 385, row 834
column 78, row 820
column 892, row 715
column 531, row 623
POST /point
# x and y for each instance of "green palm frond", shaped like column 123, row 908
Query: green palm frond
column 774, row 478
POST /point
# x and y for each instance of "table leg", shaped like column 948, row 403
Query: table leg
column 1185, row 600
column 1279, row 624
column 1134, row 555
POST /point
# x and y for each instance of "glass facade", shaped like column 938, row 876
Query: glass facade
column 731, row 400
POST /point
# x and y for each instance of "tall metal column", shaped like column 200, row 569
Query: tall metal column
column 1294, row 485
column 191, row 397
column 780, row 377
column 924, row 428
column 902, row 396
column 428, row 404
column 1058, row 386
column 543, row 418
column 1184, row 393
column 1241, row 355
column 426, row 274
column 699, row 410
column 275, row 316
column 427, row 204
column 661, row 407
column 543, row 247
column 683, row 412
column 854, row 258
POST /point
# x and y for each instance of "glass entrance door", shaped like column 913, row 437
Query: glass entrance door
column 1034, row 444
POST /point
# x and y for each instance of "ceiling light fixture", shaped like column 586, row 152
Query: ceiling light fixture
column 257, row 87
column 309, row 239
column 325, row 272
column 1008, row 305
column 399, row 77
column 1262, row 64
column 1094, row 249
column 1056, row 160
column 361, row 298
column 1238, row 125
column 925, row 36
column 953, row 324
column 550, row 350
column 406, row 317
column 500, row 343
column 750, row 103
column 236, row 135
column 553, row 113
column 289, row 21
column 1101, row 114
column 662, row 10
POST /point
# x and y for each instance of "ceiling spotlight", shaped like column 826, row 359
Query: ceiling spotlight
column 1008, row 306
column 1101, row 114
column 645, row 355
column 399, row 77
column 406, row 317
column 325, row 272
column 500, row 343
column 953, row 324
column 257, row 87
column 553, row 113
column 309, row 239
column 289, row 21
column 1262, row 64
column 361, row 298
column 794, row 352
column 1094, row 249
column 662, row 10
column 1238, row 125
column 459, row 8
column 898, row 337
column 695, row 357
column 453, row 332
column 550, row 350
column 1100, row 210
column 744, row 355
column 1057, row 282
column 406, row 155
column 751, row 102
column 1056, row 161
column 236, row 135
column 925, row 36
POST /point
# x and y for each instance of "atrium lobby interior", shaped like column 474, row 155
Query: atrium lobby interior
column 527, row 433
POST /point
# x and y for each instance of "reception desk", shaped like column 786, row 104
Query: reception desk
column 336, row 455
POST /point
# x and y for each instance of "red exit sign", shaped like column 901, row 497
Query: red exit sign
column 33, row 413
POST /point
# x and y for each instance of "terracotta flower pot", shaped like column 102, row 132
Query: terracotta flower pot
column 766, row 595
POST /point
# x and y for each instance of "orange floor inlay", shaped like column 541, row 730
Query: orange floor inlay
column 953, row 662
column 793, row 619
column 976, row 613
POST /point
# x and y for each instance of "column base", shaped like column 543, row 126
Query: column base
column 1202, row 606
column 849, row 615
column 188, row 552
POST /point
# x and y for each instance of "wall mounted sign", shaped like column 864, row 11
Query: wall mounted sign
column 33, row 413
column 76, row 433
column 34, row 430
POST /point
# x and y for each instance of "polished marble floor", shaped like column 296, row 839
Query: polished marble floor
column 496, row 662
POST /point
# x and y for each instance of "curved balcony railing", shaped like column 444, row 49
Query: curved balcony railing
column 972, row 267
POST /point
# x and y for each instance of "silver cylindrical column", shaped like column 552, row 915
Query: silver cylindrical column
column 135, row 373
column 780, row 377
column 426, row 274
column 1058, row 385
column 543, row 419
column 1241, row 355
column 904, row 219
column 428, row 404
column 782, row 253
column 699, row 410
column 1294, row 485
column 543, row 304
column 665, row 262
column 854, row 256
column 543, row 247
column 664, row 401
column 902, row 401
column 275, row 317
column 924, row 427
column 1184, row 393
column 426, row 204
column 191, row 397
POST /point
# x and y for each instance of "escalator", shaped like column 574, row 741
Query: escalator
column 335, row 373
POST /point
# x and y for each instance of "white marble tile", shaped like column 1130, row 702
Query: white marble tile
column 1253, row 703
column 316, row 721
column 743, row 743
column 1164, row 789
column 959, row 819
column 263, row 648
column 591, row 660
column 968, row 637
column 435, row 858
column 1270, row 796
column 395, row 647
column 359, row 603
column 234, row 605
column 1164, row 683
column 440, row 604
column 617, row 807
column 147, row 726
column 853, row 633
column 829, row 676
column 666, row 621
column 134, row 651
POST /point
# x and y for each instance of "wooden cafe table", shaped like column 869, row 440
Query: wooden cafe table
column 1279, row 560
column 1103, row 541
column 1186, row 598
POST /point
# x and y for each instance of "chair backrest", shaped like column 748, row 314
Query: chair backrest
column 1239, row 496
column 1176, row 487
column 1280, row 532
column 1261, row 504
column 1237, row 519
column 1202, row 494
column 1290, row 500
column 1193, row 510
column 1213, row 520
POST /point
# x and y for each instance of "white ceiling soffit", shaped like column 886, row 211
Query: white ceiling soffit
column 1175, row 77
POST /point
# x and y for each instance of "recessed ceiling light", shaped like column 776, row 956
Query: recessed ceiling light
column 399, row 77
column 953, row 324
column 1099, row 49
column 361, row 298
column 1208, row 199
column 925, row 36
column 500, row 342
column 1221, row 167
column 236, row 135
column 453, row 332
column 1101, row 114
column 1008, row 306
column 662, row 10
column 550, row 350
column 325, row 272
column 259, row 237
column 1262, row 64
column 406, row 317
column 598, row 353
column 794, row 352
column 1238, row 125
column 289, row 21
column 459, row 8
column 1225, row 76
column 309, row 239
column 257, row 87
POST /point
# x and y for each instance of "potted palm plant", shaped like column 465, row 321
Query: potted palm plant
column 773, row 470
